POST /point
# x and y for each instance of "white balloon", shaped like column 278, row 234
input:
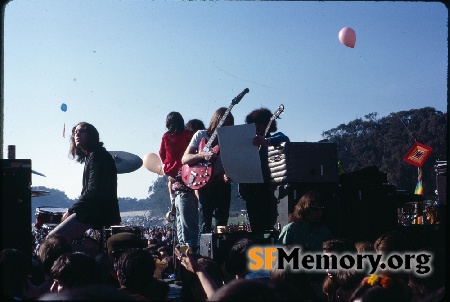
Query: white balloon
column 153, row 163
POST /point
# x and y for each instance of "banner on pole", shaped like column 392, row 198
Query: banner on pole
column 418, row 154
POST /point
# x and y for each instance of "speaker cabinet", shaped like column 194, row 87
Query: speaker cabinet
column 303, row 162
column 217, row 245
column 441, row 181
column 368, row 211
column 16, row 204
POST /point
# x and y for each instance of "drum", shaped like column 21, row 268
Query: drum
column 414, row 213
column 51, row 216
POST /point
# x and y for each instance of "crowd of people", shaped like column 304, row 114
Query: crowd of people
column 137, row 267
column 80, row 260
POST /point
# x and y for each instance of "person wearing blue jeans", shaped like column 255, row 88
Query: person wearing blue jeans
column 186, row 206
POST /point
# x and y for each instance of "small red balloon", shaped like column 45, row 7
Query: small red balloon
column 347, row 36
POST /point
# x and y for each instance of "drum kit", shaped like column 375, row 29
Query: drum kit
column 417, row 211
column 48, row 217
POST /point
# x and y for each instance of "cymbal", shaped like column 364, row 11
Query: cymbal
column 126, row 162
column 405, row 198
column 39, row 193
column 37, row 173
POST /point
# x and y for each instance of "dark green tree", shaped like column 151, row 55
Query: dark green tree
column 384, row 142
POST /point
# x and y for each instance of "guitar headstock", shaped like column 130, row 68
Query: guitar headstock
column 273, row 117
column 279, row 111
column 237, row 99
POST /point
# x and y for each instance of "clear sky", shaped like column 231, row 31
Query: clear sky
column 124, row 65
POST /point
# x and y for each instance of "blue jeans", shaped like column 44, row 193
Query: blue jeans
column 186, row 204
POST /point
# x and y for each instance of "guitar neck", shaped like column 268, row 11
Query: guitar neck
column 268, row 125
column 213, row 136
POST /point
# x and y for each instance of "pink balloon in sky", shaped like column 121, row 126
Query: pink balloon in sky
column 347, row 36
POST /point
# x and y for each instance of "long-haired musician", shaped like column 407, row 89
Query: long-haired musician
column 260, row 200
column 97, row 206
column 214, row 198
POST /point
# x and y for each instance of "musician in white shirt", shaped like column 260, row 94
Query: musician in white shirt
column 215, row 197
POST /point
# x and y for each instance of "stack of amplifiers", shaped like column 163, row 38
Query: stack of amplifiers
column 300, row 167
column 303, row 162
column 217, row 245
column 367, row 211
column 16, row 205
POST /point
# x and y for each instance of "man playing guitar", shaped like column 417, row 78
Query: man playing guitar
column 214, row 198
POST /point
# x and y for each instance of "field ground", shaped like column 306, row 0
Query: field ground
column 232, row 220
column 134, row 213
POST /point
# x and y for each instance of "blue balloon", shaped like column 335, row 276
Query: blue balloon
column 63, row 107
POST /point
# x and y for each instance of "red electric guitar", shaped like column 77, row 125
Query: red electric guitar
column 198, row 175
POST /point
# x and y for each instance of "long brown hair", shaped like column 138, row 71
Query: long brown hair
column 175, row 122
column 303, row 206
column 94, row 142
column 215, row 119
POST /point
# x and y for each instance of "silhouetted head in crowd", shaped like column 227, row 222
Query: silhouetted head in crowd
column 339, row 284
column 423, row 285
column 74, row 270
column 15, row 266
column 391, row 242
column 88, row 293
column 377, row 288
column 256, row 290
column 364, row 247
column 119, row 243
column 236, row 263
column 135, row 268
column 51, row 248
column 298, row 279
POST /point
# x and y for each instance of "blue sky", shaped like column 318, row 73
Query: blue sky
column 124, row 65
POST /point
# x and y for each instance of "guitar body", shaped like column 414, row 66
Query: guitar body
column 198, row 175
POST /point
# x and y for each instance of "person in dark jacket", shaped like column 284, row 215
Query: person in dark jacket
column 97, row 205
column 260, row 199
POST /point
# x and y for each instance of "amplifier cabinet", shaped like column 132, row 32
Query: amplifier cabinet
column 216, row 245
column 441, row 181
column 16, row 205
column 303, row 162
column 368, row 212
